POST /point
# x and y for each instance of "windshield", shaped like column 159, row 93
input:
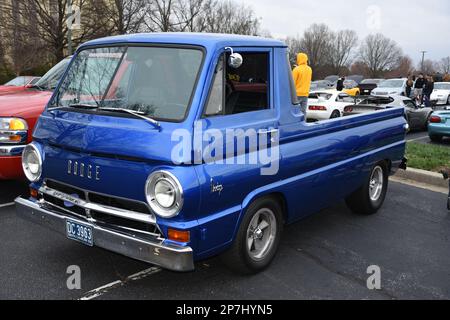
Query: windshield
column 154, row 81
column 19, row 81
column 442, row 86
column 52, row 77
column 391, row 84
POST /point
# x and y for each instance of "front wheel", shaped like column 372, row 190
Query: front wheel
column 257, row 239
column 369, row 198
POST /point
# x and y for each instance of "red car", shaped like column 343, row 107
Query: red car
column 18, row 114
column 18, row 84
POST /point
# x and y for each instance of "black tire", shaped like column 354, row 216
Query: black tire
column 238, row 258
column 360, row 202
column 335, row 114
column 435, row 138
column 448, row 100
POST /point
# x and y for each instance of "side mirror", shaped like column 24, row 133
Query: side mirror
column 235, row 60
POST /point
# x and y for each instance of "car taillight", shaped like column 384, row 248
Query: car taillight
column 435, row 119
column 317, row 108
column 348, row 109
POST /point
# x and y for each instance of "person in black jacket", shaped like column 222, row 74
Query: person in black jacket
column 428, row 90
column 340, row 84
column 418, row 88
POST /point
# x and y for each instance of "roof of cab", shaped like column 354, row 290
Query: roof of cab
column 186, row 38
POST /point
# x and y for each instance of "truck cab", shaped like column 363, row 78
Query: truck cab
column 173, row 148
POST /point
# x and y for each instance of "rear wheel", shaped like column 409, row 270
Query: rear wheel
column 257, row 239
column 335, row 114
column 369, row 198
column 435, row 138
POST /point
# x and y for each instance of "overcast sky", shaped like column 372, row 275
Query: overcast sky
column 416, row 25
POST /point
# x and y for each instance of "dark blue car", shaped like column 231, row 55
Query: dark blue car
column 172, row 148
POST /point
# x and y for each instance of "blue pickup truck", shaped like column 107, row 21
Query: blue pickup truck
column 173, row 148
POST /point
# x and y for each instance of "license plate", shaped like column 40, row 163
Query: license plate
column 79, row 232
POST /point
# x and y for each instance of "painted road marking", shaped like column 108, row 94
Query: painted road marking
column 119, row 283
column 421, row 138
column 7, row 205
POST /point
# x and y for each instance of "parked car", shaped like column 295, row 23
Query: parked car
column 366, row 86
column 390, row 87
column 18, row 114
column 351, row 87
column 18, row 84
column 321, row 85
column 122, row 167
column 327, row 104
column 439, row 125
column 416, row 115
column 441, row 93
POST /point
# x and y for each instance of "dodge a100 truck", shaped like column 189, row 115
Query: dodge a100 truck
column 173, row 148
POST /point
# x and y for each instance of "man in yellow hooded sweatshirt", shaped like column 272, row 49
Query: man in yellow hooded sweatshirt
column 302, row 78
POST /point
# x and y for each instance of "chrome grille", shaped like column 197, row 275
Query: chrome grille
column 124, row 215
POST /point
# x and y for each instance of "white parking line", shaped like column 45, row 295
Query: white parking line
column 7, row 205
column 119, row 283
column 421, row 138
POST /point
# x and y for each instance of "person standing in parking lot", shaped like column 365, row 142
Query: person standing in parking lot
column 340, row 84
column 302, row 78
column 409, row 85
column 418, row 88
column 428, row 90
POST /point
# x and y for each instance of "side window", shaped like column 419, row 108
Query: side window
column 215, row 101
column 240, row 90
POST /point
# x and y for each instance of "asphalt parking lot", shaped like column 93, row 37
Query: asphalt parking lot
column 325, row 256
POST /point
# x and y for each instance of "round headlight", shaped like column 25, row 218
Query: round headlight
column 32, row 163
column 164, row 194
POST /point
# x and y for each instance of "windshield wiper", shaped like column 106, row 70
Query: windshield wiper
column 138, row 114
column 75, row 105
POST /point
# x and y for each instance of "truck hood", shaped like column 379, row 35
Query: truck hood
column 23, row 104
column 111, row 136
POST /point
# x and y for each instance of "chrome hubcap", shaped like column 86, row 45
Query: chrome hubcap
column 261, row 234
column 376, row 183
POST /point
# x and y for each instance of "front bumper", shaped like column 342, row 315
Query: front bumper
column 170, row 257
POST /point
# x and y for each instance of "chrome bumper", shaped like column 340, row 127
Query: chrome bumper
column 11, row 150
column 169, row 257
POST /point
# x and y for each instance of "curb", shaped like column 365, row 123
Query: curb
column 422, row 176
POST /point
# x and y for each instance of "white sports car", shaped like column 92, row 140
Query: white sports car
column 327, row 104
column 441, row 93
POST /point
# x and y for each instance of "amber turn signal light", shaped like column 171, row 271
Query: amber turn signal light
column 33, row 193
column 179, row 236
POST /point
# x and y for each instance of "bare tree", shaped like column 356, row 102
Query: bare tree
column 380, row 54
column 316, row 43
column 120, row 16
column 443, row 65
column 342, row 46
column 230, row 17
column 46, row 20
column 428, row 67
column 404, row 68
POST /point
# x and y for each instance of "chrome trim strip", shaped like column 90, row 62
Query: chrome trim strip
column 11, row 150
column 154, row 251
column 121, row 213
